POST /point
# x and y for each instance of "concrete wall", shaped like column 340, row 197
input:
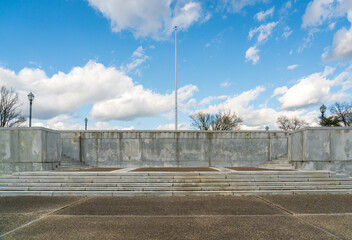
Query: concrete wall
column 34, row 149
column 170, row 148
column 28, row 149
column 322, row 149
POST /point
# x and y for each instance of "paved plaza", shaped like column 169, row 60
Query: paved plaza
column 215, row 217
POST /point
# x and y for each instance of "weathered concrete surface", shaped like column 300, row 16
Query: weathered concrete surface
column 28, row 149
column 35, row 149
column 170, row 148
column 179, row 218
column 322, row 149
column 339, row 225
column 174, row 206
column 313, row 204
column 32, row 204
column 216, row 227
column 18, row 211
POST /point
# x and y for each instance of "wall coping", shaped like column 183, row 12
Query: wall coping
column 28, row 128
column 320, row 129
column 171, row 131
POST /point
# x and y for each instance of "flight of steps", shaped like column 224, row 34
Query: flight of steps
column 121, row 183
column 67, row 163
column 281, row 163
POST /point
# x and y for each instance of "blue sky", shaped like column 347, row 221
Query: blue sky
column 112, row 61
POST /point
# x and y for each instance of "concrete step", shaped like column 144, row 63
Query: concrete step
column 48, row 173
column 173, row 183
column 168, row 193
column 199, row 184
column 158, row 188
column 163, row 180
column 172, row 175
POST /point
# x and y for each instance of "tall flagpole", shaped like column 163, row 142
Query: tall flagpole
column 175, row 77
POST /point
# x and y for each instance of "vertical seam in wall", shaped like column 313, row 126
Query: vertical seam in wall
column 269, row 148
column 303, row 146
column 80, row 147
column 96, row 150
column 18, row 146
column 289, row 148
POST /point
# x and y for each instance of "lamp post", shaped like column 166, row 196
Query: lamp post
column 322, row 110
column 85, row 123
column 30, row 98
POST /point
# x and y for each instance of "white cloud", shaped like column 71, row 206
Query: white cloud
column 307, row 41
column 138, row 57
column 287, row 32
column 264, row 31
column 252, row 55
column 210, row 99
column 171, row 126
column 291, row 67
column 138, row 102
column 288, row 4
column 112, row 94
column 332, row 25
column 65, row 122
column 152, row 18
column 342, row 45
column 225, row 84
column 317, row 12
column 279, row 91
column 238, row 5
column 262, row 15
column 320, row 12
column 313, row 90
column 252, row 118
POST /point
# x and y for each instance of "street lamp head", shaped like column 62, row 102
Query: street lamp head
column 323, row 109
column 267, row 128
column 30, row 96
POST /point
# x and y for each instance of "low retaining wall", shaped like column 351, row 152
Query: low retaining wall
column 322, row 149
column 171, row 148
column 35, row 149
column 29, row 149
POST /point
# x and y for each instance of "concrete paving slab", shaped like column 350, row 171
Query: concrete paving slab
column 211, row 205
column 317, row 203
column 11, row 221
column 94, row 227
column 339, row 225
column 28, row 204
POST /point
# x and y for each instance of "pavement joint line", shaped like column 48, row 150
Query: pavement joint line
column 84, row 199
column 174, row 216
column 44, row 216
column 13, row 230
column 317, row 227
column 275, row 205
column 324, row 214
column 297, row 216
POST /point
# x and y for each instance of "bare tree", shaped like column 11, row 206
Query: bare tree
column 290, row 124
column 226, row 121
column 222, row 121
column 343, row 111
column 202, row 121
column 10, row 115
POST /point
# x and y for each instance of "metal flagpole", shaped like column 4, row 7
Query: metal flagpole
column 175, row 77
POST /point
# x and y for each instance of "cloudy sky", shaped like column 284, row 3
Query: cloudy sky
column 112, row 61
